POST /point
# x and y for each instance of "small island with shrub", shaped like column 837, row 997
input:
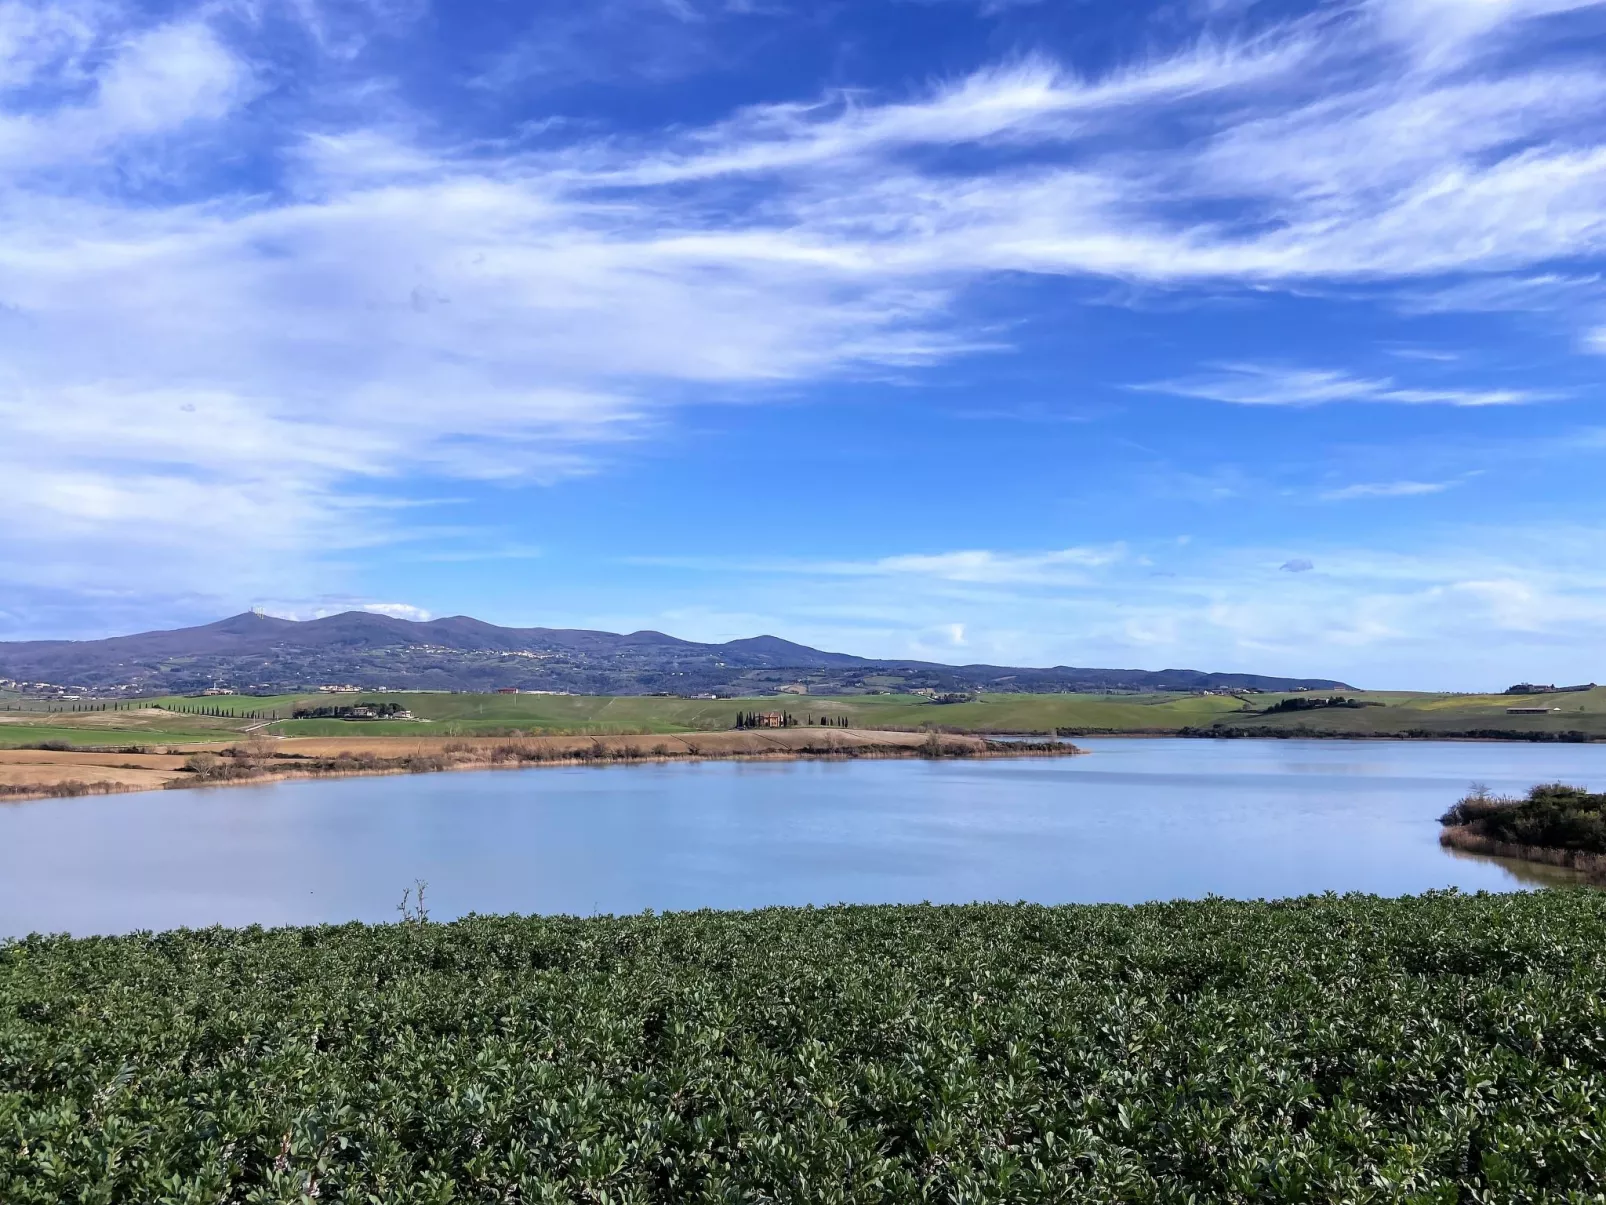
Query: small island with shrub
column 1555, row 824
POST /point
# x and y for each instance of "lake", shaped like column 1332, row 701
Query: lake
column 1135, row 820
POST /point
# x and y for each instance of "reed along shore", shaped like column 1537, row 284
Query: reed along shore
column 53, row 773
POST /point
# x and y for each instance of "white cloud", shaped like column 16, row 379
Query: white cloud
column 1544, row 293
column 1021, row 102
column 157, row 82
column 1260, row 385
column 302, row 609
column 1441, row 32
column 1386, row 489
column 1398, row 616
column 397, row 610
column 40, row 38
column 263, row 371
column 976, row 566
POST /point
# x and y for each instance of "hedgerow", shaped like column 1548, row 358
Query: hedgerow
column 1438, row 1049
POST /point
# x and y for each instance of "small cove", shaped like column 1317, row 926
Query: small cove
column 1135, row 820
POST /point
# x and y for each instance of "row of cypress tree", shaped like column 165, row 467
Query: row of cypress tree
column 751, row 719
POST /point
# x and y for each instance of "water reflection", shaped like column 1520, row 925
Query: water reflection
column 1530, row 874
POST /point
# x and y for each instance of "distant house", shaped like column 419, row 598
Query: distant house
column 771, row 719
column 507, row 690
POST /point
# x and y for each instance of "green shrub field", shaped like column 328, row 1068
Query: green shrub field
column 1444, row 1048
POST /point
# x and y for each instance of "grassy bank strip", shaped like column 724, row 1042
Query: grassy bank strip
column 1306, row 732
column 262, row 760
column 1439, row 1049
column 13, row 792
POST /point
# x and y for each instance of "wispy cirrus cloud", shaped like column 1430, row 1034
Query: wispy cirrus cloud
column 978, row 566
column 1263, row 385
column 965, row 567
column 1386, row 489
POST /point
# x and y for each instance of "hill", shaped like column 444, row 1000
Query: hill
column 254, row 652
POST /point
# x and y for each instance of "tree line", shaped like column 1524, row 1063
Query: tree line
column 217, row 712
column 345, row 711
column 754, row 719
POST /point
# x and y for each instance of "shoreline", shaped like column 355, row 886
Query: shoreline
column 263, row 762
column 1480, row 736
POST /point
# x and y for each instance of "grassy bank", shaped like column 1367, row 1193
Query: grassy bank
column 1439, row 1049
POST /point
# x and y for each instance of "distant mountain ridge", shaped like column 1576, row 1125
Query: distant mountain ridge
column 255, row 651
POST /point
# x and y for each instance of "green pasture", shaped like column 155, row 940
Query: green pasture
column 1402, row 713
column 464, row 714
column 94, row 729
column 1396, row 713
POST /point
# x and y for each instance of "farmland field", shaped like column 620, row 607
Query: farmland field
column 1580, row 715
column 1433, row 1049
column 155, row 731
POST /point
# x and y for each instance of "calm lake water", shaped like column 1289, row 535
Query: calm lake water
column 1136, row 820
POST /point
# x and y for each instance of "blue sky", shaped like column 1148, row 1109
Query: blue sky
column 1248, row 336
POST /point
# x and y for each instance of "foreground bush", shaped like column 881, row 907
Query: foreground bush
column 1441, row 1049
